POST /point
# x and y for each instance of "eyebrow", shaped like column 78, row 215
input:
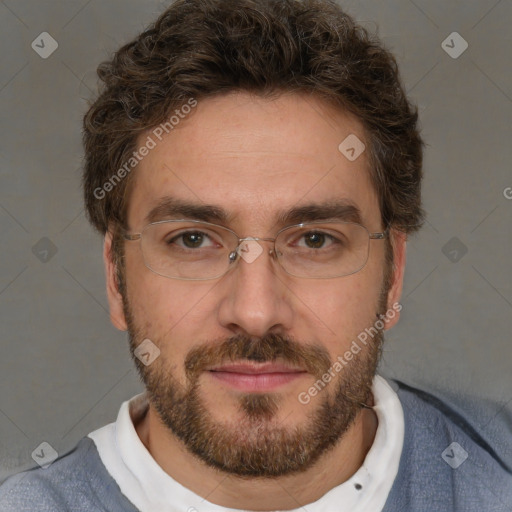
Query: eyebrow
column 170, row 207
column 337, row 210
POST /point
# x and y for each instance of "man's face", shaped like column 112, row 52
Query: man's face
column 255, row 160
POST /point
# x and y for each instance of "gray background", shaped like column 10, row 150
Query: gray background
column 64, row 370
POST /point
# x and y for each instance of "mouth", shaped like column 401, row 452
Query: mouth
column 254, row 377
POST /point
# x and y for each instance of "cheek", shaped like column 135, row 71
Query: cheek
column 154, row 298
column 169, row 311
column 344, row 303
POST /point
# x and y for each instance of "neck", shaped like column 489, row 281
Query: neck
column 282, row 493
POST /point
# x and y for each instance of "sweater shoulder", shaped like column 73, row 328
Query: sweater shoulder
column 449, row 460
column 76, row 481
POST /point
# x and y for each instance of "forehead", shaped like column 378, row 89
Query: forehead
column 254, row 159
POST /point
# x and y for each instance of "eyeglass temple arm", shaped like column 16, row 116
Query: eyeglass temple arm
column 135, row 236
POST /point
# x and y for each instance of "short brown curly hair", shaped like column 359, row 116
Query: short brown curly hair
column 202, row 48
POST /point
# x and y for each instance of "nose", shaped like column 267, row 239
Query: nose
column 255, row 298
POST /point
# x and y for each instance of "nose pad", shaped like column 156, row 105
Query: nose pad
column 275, row 254
column 241, row 252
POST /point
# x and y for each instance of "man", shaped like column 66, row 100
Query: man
column 255, row 168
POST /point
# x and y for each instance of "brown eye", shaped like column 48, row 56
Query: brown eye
column 314, row 240
column 192, row 240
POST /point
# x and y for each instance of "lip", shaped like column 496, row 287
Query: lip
column 255, row 377
column 255, row 368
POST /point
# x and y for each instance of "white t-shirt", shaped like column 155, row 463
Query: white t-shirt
column 151, row 489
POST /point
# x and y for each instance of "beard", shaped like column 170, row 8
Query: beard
column 254, row 444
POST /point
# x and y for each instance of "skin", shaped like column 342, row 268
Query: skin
column 254, row 157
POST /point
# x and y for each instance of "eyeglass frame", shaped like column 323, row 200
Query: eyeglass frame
column 234, row 255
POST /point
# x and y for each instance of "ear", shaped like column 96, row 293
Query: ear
column 115, row 299
column 399, row 243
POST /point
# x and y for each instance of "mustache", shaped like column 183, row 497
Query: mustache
column 269, row 348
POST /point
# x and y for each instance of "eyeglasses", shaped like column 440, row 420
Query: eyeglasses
column 196, row 250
